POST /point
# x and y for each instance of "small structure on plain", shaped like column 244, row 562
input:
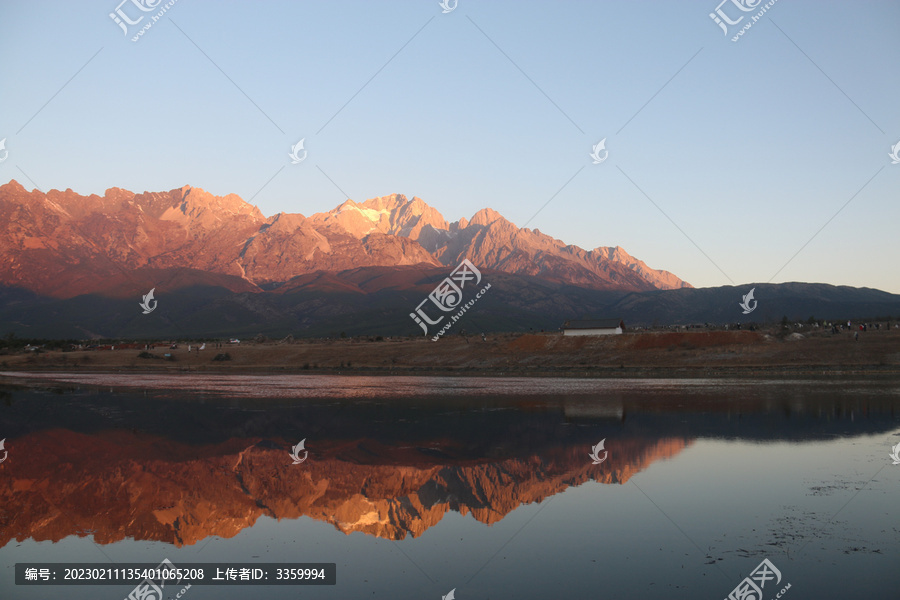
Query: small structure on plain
column 594, row 327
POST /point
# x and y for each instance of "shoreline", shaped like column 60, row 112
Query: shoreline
column 643, row 355
column 764, row 372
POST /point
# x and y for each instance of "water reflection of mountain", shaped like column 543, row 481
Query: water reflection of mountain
column 117, row 484
column 153, row 466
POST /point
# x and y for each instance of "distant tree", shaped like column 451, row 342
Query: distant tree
column 811, row 321
column 784, row 322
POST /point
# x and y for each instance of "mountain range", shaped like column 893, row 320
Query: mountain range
column 234, row 484
column 74, row 266
column 63, row 244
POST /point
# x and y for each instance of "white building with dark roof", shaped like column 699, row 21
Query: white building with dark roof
column 594, row 327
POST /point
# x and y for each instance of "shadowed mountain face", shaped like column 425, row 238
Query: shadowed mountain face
column 76, row 266
column 61, row 244
column 378, row 301
column 180, row 467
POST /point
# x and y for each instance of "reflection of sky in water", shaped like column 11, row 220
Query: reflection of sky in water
column 723, row 502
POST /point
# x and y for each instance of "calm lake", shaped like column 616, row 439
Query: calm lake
column 492, row 487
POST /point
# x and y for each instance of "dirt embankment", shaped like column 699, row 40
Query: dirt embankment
column 662, row 354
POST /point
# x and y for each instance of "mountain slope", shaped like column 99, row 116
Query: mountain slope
column 489, row 240
column 62, row 244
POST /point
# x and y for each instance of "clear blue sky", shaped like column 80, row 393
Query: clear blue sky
column 750, row 148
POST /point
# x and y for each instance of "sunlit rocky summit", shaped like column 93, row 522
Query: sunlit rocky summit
column 63, row 244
